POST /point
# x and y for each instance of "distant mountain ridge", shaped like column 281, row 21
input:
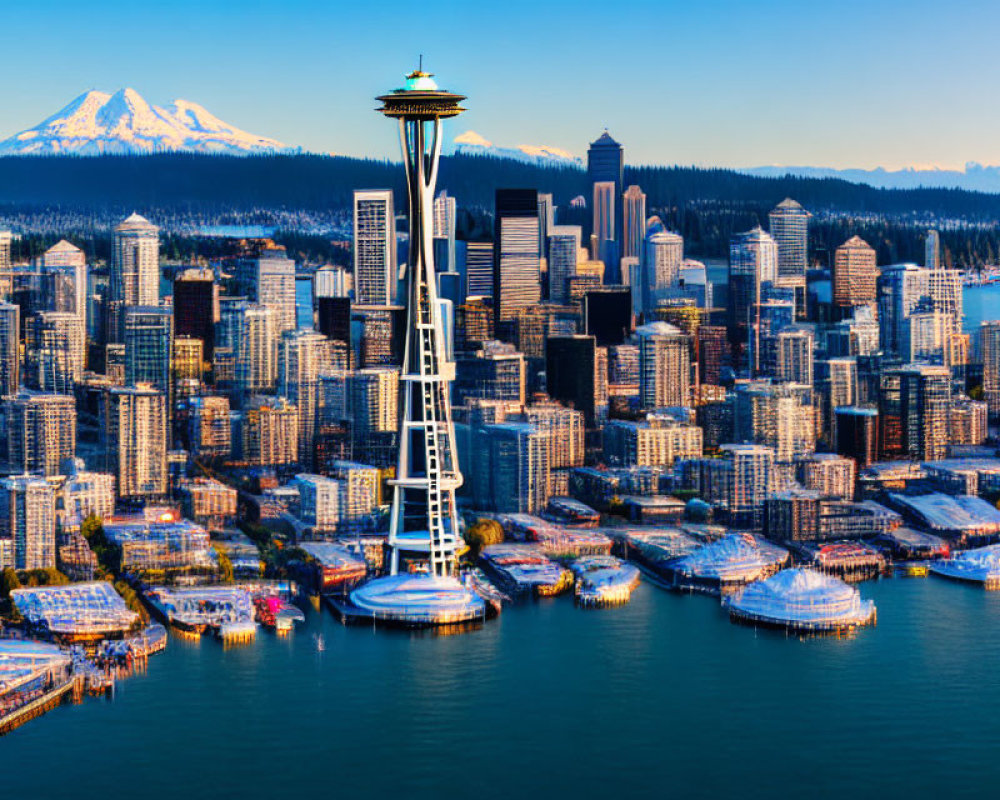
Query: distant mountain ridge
column 471, row 143
column 974, row 177
column 124, row 123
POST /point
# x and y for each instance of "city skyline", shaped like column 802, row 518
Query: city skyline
column 777, row 69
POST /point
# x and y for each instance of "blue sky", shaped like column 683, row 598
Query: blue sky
column 724, row 82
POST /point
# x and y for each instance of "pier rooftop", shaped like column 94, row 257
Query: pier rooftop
column 734, row 560
column 963, row 519
column 801, row 600
column 976, row 566
column 78, row 610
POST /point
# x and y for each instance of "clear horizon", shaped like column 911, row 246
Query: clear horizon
column 862, row 85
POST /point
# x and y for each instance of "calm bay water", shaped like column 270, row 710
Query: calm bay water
column 663, row 696
column 980, row 303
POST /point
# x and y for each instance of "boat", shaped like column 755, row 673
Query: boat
column 604, row 580
column 277, row 614
column 912, row 569
column 980, row 566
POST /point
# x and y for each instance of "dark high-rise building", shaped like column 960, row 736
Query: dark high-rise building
column 196, row 307
column 713, row 353
column 606, row 162
column 517, row 279
column 570, row 377
column 608, row 315
column 856, row 433
column 333, row 318
column 913, row 412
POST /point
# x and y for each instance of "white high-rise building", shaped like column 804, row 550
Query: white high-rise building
column 256, row 350
column 663, row 257
column 64, row 271
column 28, row 518
column 664, row 366
column 303, row 355
column 134, row 438
column 753, row 266
column 274, row 284
column 633, row 222
column 564, row 251
column 54, row 349
column 374, row 247
column 135, row 270
column 789, row 223
column 989, row 347
column 41, row 432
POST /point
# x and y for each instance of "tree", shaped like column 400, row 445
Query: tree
column 225, row 564
column 8, row 582
column 484, row 533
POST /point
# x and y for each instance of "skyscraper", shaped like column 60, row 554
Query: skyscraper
column 64, row 274
column 10, row 348
column 564, row 250
column 53, row 351
column 795, row 355
column 516, row 265
column 479, row 269
column 914, row 406
column 605, row 206
column 135, row 270
column 41, row 432
column 134, row 440
column 664, row 366
column 273, row 286
column 606, row 163
column 633, row 222
column 28, row 518
column 789, row 223
column 753, row 267
column 374, row 247
column 904, row 289
column 854, row 274
column 256, row 350
column 303, row 355
column 989, row 348
column 148, row 346
column 662, row 259
column 196, row 307
column 571, row 373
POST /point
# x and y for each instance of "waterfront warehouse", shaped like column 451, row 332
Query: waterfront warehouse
column 723, row 566
column 337, row 570
column 604, row 580
column 79, row 611
column 980, row 566
column 906, row 544
column 519, row 570
column 851, row 561
column 803, row 601
column 28, row 670
column 653, row 548
column 963, row 520
column 198, row 608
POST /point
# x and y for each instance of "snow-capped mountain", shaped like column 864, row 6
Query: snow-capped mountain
column 974, row 177
column 123, row 122
column 471, row 143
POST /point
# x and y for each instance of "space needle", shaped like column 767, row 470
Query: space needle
column 423, row 522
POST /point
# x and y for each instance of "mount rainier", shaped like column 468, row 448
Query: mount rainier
column 124, row 123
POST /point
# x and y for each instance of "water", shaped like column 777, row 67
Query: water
column 980, row 304
column 550, row 701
